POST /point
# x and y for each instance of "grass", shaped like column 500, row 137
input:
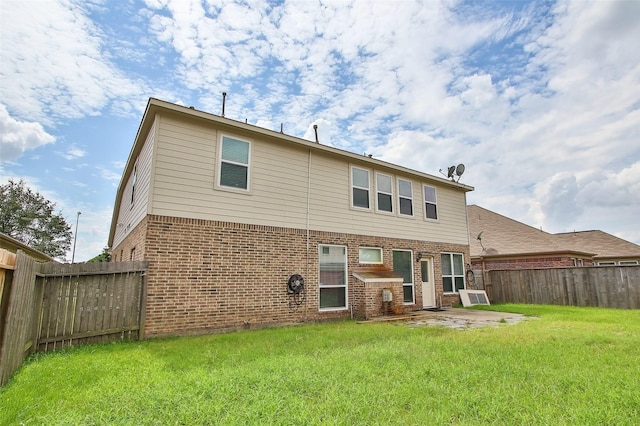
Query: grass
column 570, row 366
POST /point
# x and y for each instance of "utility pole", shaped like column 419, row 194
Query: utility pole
column 75, row 237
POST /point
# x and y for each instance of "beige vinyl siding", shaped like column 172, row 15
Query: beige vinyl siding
column 330, row 207
column 129, row 214
column 185, row 179
column 184, row 186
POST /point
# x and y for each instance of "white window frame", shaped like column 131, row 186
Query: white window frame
column 627, row 262
column 607, row 263
column 134, row 181
column 220, row 160
column 413, row 279
column 368, row 262
column 390, row 194
column 435, row 203
column 453, row 275
column 353, row 186
column 346, row 279
column 400, row 197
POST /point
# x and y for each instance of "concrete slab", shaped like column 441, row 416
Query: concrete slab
column 454, row 318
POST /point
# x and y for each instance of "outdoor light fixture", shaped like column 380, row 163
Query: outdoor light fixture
column 422, row 254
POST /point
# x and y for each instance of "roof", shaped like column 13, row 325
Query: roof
column 501, row 236
column 155, row 106
column 599, row 242
column 13, row 245
column 492, row 234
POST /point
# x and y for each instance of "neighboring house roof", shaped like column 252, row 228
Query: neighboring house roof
column 501, row 236
column 13, row 245
column 606, row 246
column 156, row 106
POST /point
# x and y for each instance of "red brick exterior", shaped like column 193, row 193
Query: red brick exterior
column 528, row 263
column 210, row 276
column 134, row 244
column 368, row 301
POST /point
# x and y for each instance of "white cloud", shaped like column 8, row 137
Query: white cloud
column 73, row 153
column 92, row 233
column 17, row 137
column 557, row 200
column 109, row 175
column 54, row 64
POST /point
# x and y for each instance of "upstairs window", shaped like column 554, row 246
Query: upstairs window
column 405, row 197
column 360, row 188
column 384, row 190
column 134, row 181
column 234, row 163
column 430, row 206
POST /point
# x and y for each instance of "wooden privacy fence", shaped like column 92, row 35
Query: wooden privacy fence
column 49, row 306
column 602, row 286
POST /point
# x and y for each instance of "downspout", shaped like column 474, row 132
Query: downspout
column 306, row 306
column 466, row 219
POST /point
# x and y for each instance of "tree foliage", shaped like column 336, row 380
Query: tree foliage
column 105, row 256
column 30, row 218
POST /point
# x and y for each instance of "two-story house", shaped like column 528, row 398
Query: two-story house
column 228, row 213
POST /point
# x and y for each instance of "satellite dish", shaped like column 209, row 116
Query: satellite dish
column 450, row 171
column 459, row 169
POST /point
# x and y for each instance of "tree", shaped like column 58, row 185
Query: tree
column 30, row 218
column 105, row 256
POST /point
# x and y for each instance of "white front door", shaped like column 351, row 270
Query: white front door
column 428, row 286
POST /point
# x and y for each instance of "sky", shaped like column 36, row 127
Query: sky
column 539, row 99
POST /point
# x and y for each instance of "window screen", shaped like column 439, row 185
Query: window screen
column 234, row 163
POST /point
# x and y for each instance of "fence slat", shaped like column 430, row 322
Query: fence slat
column 603, row 286
column 89, row 303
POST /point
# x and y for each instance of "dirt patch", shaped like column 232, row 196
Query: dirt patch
column 464, row 323
column 455, row 318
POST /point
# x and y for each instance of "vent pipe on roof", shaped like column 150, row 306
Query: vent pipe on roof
column 224, row 96
column 315, row 129
column 281, row 127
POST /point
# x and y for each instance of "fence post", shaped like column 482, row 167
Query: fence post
column 7, row 265
column 143, row 305
column 19, row 317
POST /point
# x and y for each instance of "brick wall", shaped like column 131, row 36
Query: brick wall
column 133, row 244
column 526, row 263
column 207, row 275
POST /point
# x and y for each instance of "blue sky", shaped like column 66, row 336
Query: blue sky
column 539, row 99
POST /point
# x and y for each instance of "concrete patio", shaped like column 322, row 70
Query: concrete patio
column 453, row 318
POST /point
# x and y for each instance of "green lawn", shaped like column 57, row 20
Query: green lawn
column 573, row 366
